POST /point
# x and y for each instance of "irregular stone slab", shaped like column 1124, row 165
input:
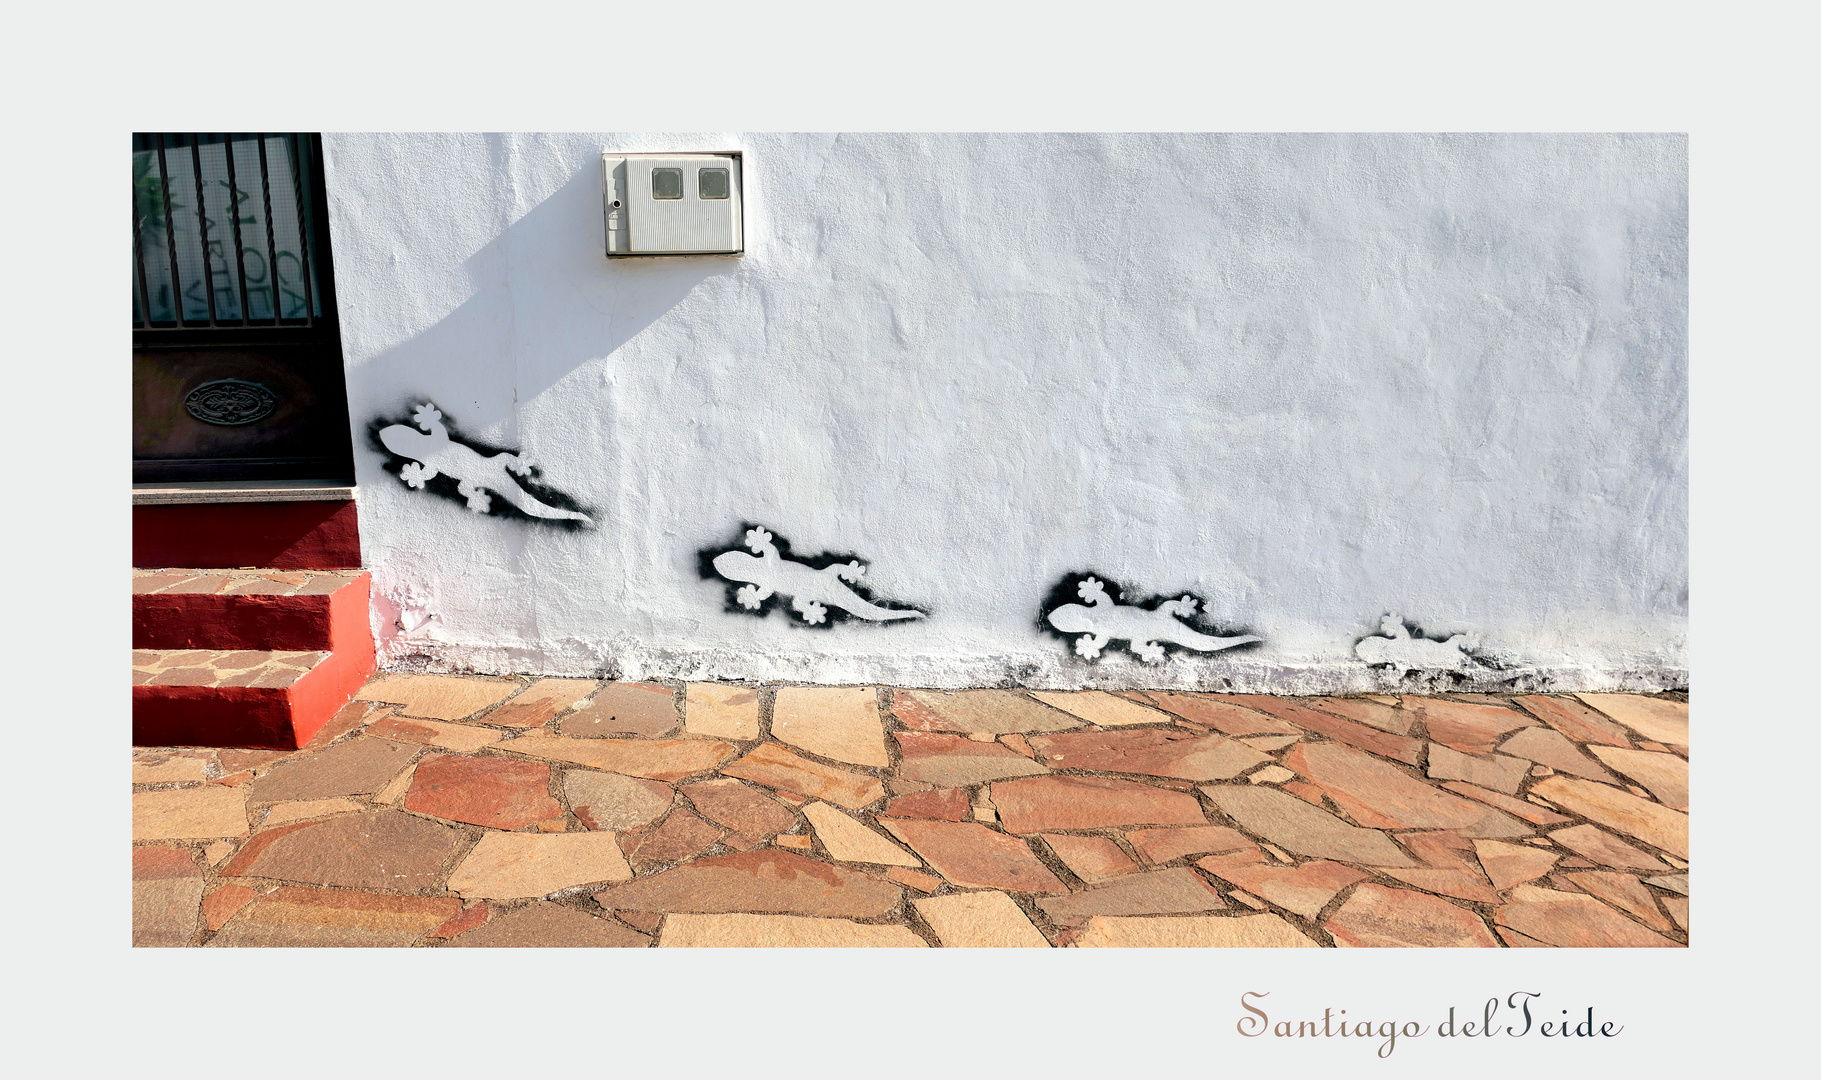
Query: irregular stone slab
column 1624, row 892
column 1528, row 811
column 1377, row 917
column 334, row 918
column 1589, row 841
column 624, row 708
column 543, row 925
column 764, row 881
column 945, row 804
column 1547, row 747
column 980, row 920
column 1375, row 713
column 776, row 767
column 360, row 766
column 219, row 906
column 1444, row 850
column 1271, row 774
column 504, row 866
column 542, row 702
column 849, row 841
column 1657, row 719
column 1513, row 864
column 1205, row 932
column 1678, row 910
column 664, row 759
column 1573, row 920
column 1151, row 752
column 1160, row 846
column 781, row 932
column 721, row 712
column 1459, row 884
column 1665, row 775
column 1064, row 803
column 615, row 803
column 1176, row 891
column 1220, row 715
column 1467, row 727
column 1495, row 771
column 954, row 761
column 438, row 697
column 199, row 813
column 1379, row 795
column 286, row 812
column 740, row 808
column 1307, row 830
column 1102, row 708
column 1575, row 720
column 1093, row 859
column 1672, row 882
column 1620, row 811
column 1304, row 889
column 838, row 722
column 973, row 856
column 169, row 767
column 167, row 897
column 1383, row 743
column 498, row 793
column 462, row 738
column 977, row 712
column 380, row 849
column 682, row 836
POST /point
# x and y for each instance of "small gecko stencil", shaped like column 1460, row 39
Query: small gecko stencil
column 1150, row 629
column 820, row 589
column 433, row 460
column 1400, row 652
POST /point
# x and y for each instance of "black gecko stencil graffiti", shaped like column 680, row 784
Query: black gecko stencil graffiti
column 824, row 589
column 426, row 455
column 1400, row 649
column 1087, row 607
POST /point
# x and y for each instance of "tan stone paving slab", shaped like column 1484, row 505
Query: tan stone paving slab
column 766, row 881
column 199, row 813
column 1220, row 715
column 167, row 897
column 360, row 766
column 611, row 802
column 657, row 759
column 849, row 841
column 1623, row 891
column 1340, row 729
column 721, row 712
column 461, row 738
column 438, row 697
column 1304, row 829
column 1517, row 808
column 1378, row 917
column 1378, row 795
column 776, row 767
column 286, row 812
column 683, row 835
column 1270, row 774
column 543, row 925
column 169, row 766
column 1547, row 747
column 1304, row 889
column 1665, row 775
column 504, row 866
column 973, row 856
column 1575, row 720
column 1657, row 719
column 1193, row 932
column 624, row 708
column 1151, row 752
column 781, row 932
column 1620, row 811
column 1494, row 771
column 334, row 918
column 1443, row 849
column 977, row 712
column 497, row 793
column 1573, row 920
column 1367, row 711
column 953, row 761
column 1469, row 727
column 1175, row 891
column 541, row 702
column 1605, row 849
column 838, row 722
column 379, row 849
column 740, row 807
column 1093, row 859
column 1677, row 906
column 1673, row 882
column 979, row 920
column 1513, row 864
column 1102, row 708
column 1067, row 803
column 1160, row 846
column 1459, row 884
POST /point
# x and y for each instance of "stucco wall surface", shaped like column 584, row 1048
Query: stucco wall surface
column 1311, row 380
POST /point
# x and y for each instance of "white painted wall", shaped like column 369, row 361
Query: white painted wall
column 1311, row 378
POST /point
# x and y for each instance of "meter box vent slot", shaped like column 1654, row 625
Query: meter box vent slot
column 672, row 204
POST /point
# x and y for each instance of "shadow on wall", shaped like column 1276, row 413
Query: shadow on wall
column 546, row 300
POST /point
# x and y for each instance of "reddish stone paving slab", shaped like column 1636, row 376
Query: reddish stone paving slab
column 219, row 906
column 1159, row 846
column 1384, row 717
column 1093, row 859
column 1664, row 774
column 636, row 708
column 739, row 807
column 1176, row 891
column 360, row 766
column 977, row 712
column 764, row 881
column 1654, row 718
column 167, row 897
column 1546, row 747
column 1379, row 795
column 1376, row 917
column 1396, row 747
column 1219, row 715
column 681, row 836
column 1304, row 829
column 381, row 849
column 498, row 793
column 1064, row 803
column 334, row 918
column 1621, row 811
column 943, row 804
column 776, row 767
column 1606, row 849
column 1625, row 892
column 611, row 802
column 1518, row 808
column 1575, row 720
column 1470, row 727
column 467, row 920
column 957, row 761
column 1149, row 751
column 1459, row 884
column 1444, row 850
column 656, row 759
column 544, row 925
column 1495, row 771
column 973, row 856
column 1304, row 889
column 1573, row 920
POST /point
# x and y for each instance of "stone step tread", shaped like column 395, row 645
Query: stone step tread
column 222, row 667
column 242, row 582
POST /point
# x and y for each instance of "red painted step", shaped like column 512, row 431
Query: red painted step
column 246, row 657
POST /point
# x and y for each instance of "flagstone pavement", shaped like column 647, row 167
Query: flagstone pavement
column 440, row 811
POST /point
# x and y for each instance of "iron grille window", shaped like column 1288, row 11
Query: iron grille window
column 225, row 231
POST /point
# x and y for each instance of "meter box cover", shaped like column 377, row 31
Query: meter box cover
column 672, row 204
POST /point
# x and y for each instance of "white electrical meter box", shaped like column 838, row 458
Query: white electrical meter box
column 672, row 204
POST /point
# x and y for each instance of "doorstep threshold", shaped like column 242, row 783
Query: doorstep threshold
column 241, row 491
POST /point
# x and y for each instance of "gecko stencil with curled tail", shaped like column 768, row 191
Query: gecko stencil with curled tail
column 1150, row 629
column 433, row 460
column 821, row 589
